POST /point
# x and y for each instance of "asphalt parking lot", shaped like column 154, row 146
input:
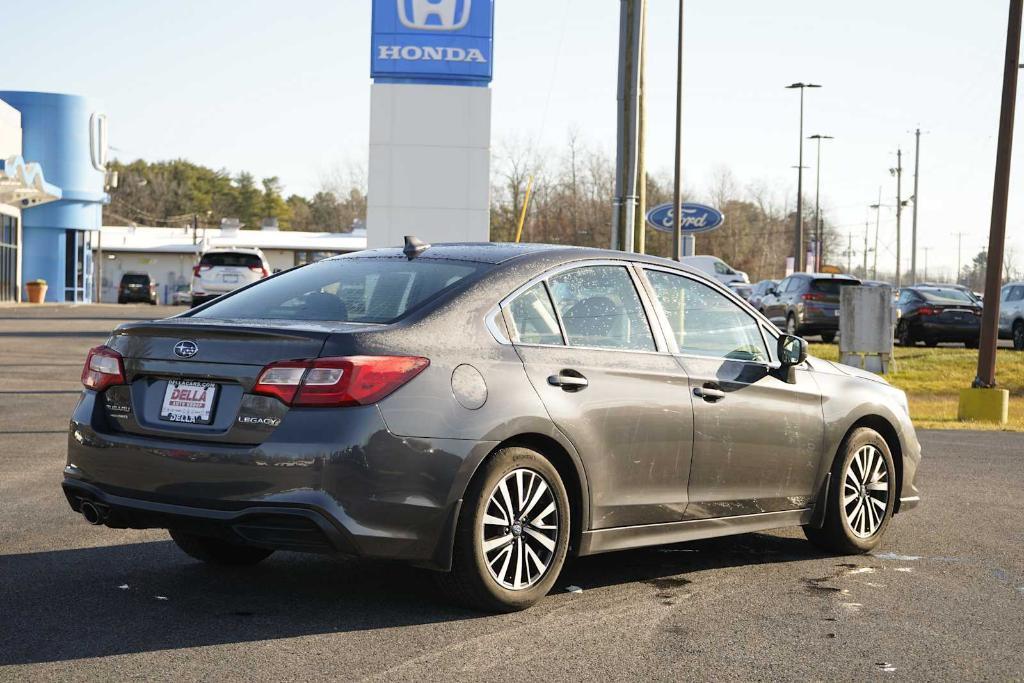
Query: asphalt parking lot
column 942, row 598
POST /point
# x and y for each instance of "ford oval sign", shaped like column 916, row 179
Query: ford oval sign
column 696, row 218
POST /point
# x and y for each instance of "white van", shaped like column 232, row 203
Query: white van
column 716, row 268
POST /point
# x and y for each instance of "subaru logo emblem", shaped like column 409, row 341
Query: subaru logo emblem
column 186, row 349
column 434, row 15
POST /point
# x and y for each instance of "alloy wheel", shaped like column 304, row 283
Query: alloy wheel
column 791, row 325
column 865, row 494
column 520, row 529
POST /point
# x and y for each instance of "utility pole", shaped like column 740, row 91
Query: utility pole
column 640, row 216
column 867, row 230
column 959, row 245
column 818, row 231
column 913, row 239
column 898, row 172
column 986, row 377
column 677, row 186
column 926, row 250
column 878, row 225
column 798, row 234
column 630, row 42
column 849, row 252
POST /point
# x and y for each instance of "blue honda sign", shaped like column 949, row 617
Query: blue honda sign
column 696, row 218
column 447, row 42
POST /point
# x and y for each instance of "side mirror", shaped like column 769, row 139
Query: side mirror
column 792, row 350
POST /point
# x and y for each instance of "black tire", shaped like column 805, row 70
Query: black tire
column 931, row 343
column 218, row 551
column 972, row 344
column 828, row 337
column 470, row 582
column 903, row 334
column 836, row 534
column 1018, row 336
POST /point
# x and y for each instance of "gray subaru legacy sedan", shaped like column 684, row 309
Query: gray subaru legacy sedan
column 484, row 411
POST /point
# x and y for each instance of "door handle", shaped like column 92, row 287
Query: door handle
column 709, row 392
column 568, row 380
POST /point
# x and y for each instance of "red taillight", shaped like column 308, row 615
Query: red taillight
column 349, row 381
column 926, row 310
column 104, row 367
column 812, row 296
column 195, row 271
column 259, row 269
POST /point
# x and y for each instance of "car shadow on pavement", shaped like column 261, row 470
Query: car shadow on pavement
column 93, row 602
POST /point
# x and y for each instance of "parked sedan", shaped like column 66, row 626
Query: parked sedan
column 807, row 303
column 485, row 411
column 937, row 314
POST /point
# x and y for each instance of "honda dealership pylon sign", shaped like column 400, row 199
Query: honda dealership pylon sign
column 447, row 42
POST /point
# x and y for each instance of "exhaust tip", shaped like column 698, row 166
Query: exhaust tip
column 92, row 513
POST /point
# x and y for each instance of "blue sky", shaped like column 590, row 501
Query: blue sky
column 283, row 89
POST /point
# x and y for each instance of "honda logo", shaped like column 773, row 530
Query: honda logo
column 434, row 15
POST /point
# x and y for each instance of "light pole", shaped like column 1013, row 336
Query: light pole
column 818, row 232
column 677, row 186
column 798, row 233
column 898, row 173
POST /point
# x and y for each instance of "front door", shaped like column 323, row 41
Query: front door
column 591, row 354
column 758, row 430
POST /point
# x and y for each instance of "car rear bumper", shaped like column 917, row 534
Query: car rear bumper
column 326, row 480
column 947, row 332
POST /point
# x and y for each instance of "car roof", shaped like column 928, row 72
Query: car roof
column 500, row 252
column 233, row 250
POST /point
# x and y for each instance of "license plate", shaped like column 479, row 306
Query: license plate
column 189, row 402
column 230, row 277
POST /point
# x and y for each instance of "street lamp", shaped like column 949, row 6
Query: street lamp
column 818, row 232
column 798, row 235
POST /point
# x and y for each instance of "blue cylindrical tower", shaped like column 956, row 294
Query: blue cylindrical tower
column 65, row 134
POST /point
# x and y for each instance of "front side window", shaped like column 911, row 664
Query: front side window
column 600, row 308
column 366, row 290
column 704, row 322
column 533, row 317
column 1016, row 293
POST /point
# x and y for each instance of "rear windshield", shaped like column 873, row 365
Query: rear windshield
column 350, row 289
column 135, row 279
column 945, row 295
column 831, row 285
column 231, row 259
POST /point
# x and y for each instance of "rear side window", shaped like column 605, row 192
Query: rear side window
column 600, row 308
column 348, row 289
column 533, row 317
column 226, row 258
column 1016, row 293
column 830, row 285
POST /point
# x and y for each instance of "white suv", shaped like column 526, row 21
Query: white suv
column 716, row 268
column 224, row 270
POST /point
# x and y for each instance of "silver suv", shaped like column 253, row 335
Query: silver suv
column 1011, row 314
column 220, row 271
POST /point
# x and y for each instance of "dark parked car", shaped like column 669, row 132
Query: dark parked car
column 483, row 410
column 807, row 304
column 937, row 314
column 759, row 292
column 136, row 288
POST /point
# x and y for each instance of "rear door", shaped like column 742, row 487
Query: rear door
column 758, row 431
column 608, row 384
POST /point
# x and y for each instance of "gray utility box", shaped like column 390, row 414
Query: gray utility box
column 867, row 320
